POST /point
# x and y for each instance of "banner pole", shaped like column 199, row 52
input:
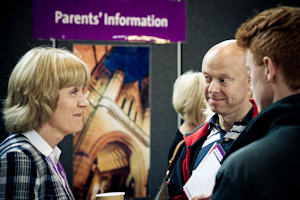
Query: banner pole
column 53, row 42
column 178, row 74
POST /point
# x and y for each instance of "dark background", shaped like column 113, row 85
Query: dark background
column 208, row 22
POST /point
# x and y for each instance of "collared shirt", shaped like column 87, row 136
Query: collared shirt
column 53, row 153
column 217, row 134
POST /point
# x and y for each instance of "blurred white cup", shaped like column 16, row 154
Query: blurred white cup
column 111, row 196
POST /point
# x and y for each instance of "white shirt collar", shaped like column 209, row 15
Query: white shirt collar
column 40, row 144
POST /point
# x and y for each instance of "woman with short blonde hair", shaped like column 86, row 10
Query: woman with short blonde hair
column 33, row 85
column 190, row 103
column 45, row 103
column 188, row 98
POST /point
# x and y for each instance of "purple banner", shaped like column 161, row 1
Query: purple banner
column 159, row 21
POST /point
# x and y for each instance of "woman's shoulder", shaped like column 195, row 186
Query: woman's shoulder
column 17, row 144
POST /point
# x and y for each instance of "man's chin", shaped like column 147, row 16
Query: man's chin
column 215, row 109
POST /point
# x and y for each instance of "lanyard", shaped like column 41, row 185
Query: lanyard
column 61, row 174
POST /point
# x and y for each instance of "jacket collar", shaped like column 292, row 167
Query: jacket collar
column 203, row 130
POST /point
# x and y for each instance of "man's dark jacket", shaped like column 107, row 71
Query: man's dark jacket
column 269, row 166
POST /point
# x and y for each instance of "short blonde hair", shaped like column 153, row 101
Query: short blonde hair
column 188, row 97
column 34, row 84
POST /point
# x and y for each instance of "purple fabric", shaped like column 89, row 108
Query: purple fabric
column 61, row 172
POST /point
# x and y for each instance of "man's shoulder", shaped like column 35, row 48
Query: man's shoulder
column 278, row 141
column 255, row 164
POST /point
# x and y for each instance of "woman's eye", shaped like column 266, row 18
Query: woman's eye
column 74, row 91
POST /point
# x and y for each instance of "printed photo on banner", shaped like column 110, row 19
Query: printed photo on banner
column 112, row 152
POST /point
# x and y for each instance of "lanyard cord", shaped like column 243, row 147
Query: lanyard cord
column 61, row 173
